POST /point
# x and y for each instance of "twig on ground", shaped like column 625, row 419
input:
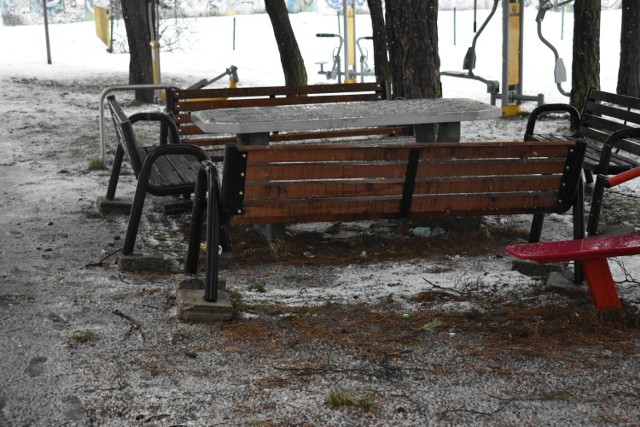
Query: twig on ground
column 135, row 326
column 628, row 278
column 99, row 263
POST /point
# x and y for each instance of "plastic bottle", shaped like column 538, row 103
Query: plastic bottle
column 427, row 231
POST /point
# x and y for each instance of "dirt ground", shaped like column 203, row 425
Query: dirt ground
column 84, row 343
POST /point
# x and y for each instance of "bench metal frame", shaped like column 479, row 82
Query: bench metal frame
column 168, row 169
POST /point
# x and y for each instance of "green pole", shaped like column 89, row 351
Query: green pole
column 454, row 25
column 562, row 25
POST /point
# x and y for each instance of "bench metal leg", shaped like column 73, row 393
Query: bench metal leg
column 578, row 226
column 135, row 215
column 601, row 284
column 596, row 205
column 536, row 228
column 115, row 173
column 207, row 183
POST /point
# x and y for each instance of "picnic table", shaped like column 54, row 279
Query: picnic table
column 253, row 124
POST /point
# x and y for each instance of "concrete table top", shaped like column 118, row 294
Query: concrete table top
column 342, row 115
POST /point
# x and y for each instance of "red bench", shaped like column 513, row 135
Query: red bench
column 592, row 253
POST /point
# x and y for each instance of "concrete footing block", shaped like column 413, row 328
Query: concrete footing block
column 534, row 269
column 122, row 206
column 152, row 261
column 563, row 284
column 192, row 307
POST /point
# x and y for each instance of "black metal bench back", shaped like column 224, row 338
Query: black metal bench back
column 124, row 131
column 605, row 113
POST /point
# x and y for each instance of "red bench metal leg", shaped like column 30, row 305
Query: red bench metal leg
column 601, row 284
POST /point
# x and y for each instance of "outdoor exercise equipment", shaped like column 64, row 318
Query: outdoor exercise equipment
column 559, row 71
column 510, row 89
column 232, row 72
column 336, row 70
column 365, row 70
column 347, row 44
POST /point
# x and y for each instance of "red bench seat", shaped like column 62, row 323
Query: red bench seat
column 592, row 253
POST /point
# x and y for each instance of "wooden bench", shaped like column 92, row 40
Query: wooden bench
column 610, row 123
column 168, row 169
column 181, row 103
column 292, row 183
column 592, row 253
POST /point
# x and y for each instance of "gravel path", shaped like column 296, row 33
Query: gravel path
column 83, row 343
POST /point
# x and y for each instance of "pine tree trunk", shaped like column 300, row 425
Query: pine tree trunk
column 380, row 56
column 412, row 34
column 293, row 67
column 629, row 72
column 585, row 69
column 136, row 21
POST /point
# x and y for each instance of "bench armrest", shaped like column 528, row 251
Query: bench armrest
column 168, row 127
column 574, row 116
column 612, row 142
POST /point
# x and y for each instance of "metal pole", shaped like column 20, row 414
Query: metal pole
column 454, row 26
column 46, row 30
column 345, row 41
column 505, row 54
column 521, row 50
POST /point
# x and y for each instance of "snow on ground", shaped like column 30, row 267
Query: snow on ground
column 79, row 56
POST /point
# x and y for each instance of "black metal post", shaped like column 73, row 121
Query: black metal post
column 46, row 30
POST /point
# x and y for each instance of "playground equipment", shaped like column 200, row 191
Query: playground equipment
column 559, row 72
column 510, row 89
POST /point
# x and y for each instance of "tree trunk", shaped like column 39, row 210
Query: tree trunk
column 412, row 34
column 629, row 71
column 380, row 57
column 585, row 69
column 136, row 21
column 293, row 67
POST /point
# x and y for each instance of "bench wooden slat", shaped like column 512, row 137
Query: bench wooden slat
column 614, row 98
column 303, row 210
column 212, row 104
column 391, row 151
column 319, row 210
column 616, row 113
column 499, row 203
column 353, row 170
column 385, row 187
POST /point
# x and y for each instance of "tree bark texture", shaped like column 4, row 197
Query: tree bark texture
column 293, row 67
column 380, row 56
column 412, row 35
column 136, row 21
column 629, row 72
column 585, row 69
